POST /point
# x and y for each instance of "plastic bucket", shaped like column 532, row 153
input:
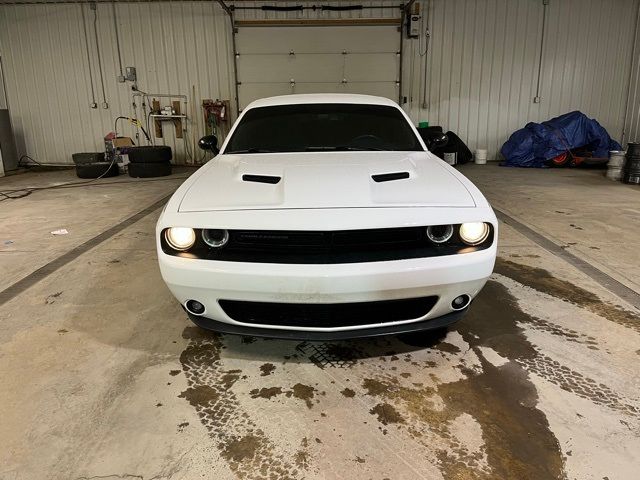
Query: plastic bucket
column 480, row 156
column 616, row 158
column 614, row 173
column 615, row 165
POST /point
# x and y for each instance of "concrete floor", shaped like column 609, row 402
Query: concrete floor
column 103, row 376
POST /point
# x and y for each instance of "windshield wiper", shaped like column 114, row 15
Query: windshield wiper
column 339, row 148
column 249, row 150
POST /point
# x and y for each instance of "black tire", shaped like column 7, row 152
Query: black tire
column 97, row 169
column 89, row 157
column 150, row 154
column 147, row 170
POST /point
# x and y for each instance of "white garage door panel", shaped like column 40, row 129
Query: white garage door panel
column 254, row 91
column 372, row 67
column 318, row 39
column 282, row 68
column 380, row 89
column 318, row 68
column 354, row 59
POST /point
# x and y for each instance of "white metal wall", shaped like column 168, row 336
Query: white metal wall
column 480, row 76
column 483, row 59
column 632, row 117
column 173, row 45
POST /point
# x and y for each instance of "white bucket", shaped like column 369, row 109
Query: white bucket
column 616, row 159
column 615, row 165
column 481, row 156
column 614, row 173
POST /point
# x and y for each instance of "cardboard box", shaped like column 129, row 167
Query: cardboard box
column 122, row 142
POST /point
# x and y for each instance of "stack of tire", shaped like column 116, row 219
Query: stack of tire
column 93, row 165
column 150, row 161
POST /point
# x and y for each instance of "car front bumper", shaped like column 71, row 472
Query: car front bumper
column 209, row 281
column 326, row 336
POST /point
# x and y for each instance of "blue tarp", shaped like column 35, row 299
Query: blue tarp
column 537, row 143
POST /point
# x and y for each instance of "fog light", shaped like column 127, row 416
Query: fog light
column 195, row 307
column 439, row 233
column 180, row 238
column 215, row 238
column 474, row 233
column 460, row 302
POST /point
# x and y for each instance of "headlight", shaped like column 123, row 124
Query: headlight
column 180, row 238
column 439, row 233
column 215, row 238
column 474, row 233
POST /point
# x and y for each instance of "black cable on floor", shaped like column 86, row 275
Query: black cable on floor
column 14, row 194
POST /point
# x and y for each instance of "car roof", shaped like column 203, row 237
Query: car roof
column 321, row 98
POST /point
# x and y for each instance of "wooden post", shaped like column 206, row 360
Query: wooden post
column 177, row 121
column 155, row 108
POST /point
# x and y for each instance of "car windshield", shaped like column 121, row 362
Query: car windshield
column 322, row 127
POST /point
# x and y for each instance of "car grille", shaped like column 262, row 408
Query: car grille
column 328, row 315
column 346, row 240
column 326, row 247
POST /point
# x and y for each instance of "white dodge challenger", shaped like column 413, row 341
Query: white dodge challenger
column 325, row 217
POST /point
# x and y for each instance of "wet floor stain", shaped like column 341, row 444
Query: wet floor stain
column 304, row 393
column 501, row 399
column 267, row 369
column 266, row 392
column 447, row 347
column 386, row 414
column 245, row 447
column 52, row 298
column 567, row 334
column 516, row 441
column 347, row 392
column 543, row 281
column 182, row 426
column 302, row 457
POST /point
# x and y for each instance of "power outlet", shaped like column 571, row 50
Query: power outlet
column 130, row 74
column 105, row 105
column 93, row 105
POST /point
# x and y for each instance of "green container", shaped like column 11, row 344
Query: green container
column 423, row 125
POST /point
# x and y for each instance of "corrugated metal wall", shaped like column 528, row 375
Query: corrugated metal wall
column 480, row 76
column 632, row 117
column 483, row 57
column 173, row 45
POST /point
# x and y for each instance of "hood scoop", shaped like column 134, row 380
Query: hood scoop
column 389, row 177
column 324, row 180
column 261, row 179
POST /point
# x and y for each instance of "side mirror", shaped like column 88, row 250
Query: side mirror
column 438, row 141
column 209, row 142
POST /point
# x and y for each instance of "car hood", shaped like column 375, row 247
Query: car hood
column 324, row 180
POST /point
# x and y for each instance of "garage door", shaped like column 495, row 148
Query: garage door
column 317, row 59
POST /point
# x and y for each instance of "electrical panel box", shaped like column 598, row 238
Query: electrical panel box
column 130, row 74
column 413, row 22
column 413, row 25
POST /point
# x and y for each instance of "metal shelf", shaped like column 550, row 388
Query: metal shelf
column 154, row 115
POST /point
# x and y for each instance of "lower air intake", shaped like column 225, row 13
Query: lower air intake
column 328, row 315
